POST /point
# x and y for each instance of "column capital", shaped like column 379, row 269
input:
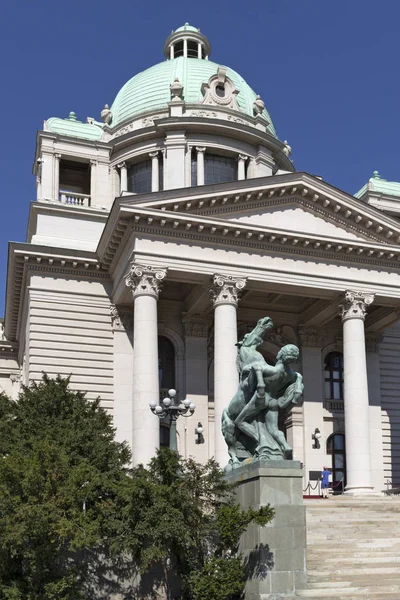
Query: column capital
column 93, row 161
column 121, row 318
column 121, row 165
column 312, row 337
column 200, row 149
column 57, row 156
column 154, row 154
column 226, row 289
column 242, row 157
column 195, row 325
column 355, row 305
column 145, row 280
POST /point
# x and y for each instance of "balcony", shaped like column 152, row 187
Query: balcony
column 334, row 405
column 74, row 199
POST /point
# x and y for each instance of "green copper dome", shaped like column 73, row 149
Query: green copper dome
column 149, row 90
column 186, row 27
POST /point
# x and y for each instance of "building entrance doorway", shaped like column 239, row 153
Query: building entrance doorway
column 336, row 447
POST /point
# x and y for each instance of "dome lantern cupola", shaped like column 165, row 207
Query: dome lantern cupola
column 187, row 41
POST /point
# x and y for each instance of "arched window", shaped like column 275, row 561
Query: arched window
column 333, row 371
column 166, row 371
column 335, row 446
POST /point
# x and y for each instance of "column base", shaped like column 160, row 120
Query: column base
column 361, row 491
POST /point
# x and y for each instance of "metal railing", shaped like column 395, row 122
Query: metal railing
column 392, row 489
column 309, row 488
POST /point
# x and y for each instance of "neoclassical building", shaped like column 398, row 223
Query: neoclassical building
column 164, row 230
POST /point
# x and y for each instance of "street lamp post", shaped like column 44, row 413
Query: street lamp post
column 170, row 409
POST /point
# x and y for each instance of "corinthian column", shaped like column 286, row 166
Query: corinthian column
column 145, row 283
column 225, row 295
column 356, row 402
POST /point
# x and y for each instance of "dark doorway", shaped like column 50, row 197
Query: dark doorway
column 336, row 447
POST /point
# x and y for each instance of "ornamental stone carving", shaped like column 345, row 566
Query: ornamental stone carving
column 355, row 305
column 258, row 106
column 287, row 149
column 226, row 289
column 106, row 115
column 220, row 90
column 176, row 89
column 195, row 325
column 311, row 337
column 121, row 318
column 372, row 341
column 145, row 280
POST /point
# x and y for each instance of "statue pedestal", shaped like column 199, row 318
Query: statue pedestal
column 276, row 553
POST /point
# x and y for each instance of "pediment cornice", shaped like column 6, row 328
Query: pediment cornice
column 302, row 189
column 214, row 231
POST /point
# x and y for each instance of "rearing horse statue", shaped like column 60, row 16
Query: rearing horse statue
column 250, row 422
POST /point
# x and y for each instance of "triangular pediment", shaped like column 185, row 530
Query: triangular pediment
column 295, row 202
column 297, row 218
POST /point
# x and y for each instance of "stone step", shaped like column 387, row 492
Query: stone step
column 356, row 561
column 356, row 580
column 351, row 593
column 376, row 570
column 340, row 553
column 356, row 542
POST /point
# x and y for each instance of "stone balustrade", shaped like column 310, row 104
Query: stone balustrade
column 74, row 199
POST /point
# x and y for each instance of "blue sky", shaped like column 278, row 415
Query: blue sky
column 326, row 70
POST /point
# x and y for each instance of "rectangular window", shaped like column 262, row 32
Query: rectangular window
column 139, row 177
column 193, row 172
column 219, row 169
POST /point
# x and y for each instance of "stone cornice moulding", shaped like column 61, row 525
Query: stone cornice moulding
column 306, row 189
column 24, row 259
column 234, row 124
column 217, row 231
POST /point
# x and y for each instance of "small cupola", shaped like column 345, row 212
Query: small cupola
column 187, row 41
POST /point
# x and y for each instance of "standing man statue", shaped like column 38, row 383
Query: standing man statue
column 250, row 423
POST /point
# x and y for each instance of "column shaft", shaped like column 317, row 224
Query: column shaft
column 145, row 284
column 242, row 167
column 155, row 176
column 226, row 377
column 356, row 401
column 123, row 177
column 146, row 426
column 200, row 165
column 225, row 293
column 56, row 177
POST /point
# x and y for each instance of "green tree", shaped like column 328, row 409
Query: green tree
column 61, row 476
column 183, row 516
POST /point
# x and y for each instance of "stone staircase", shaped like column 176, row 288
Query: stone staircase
column 353, row 549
